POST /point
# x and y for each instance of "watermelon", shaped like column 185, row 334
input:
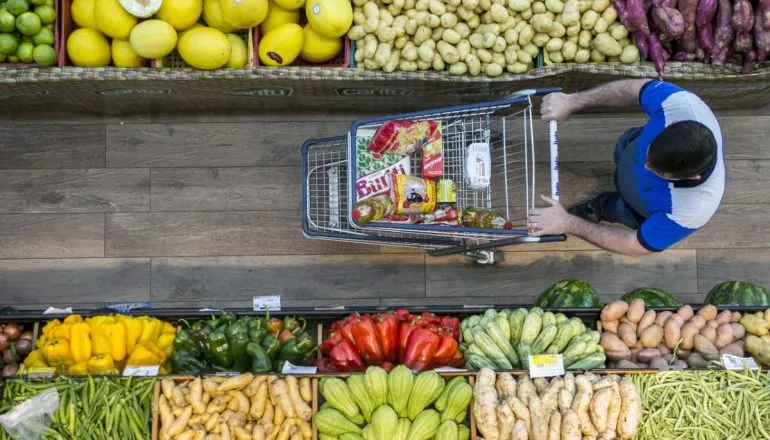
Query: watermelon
column 568, row 294
column 738, row 293
column 652, row 297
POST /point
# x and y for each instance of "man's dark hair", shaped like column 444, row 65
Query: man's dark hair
column 682, row 150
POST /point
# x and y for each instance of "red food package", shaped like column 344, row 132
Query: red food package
column 433, row 156
column 404, row 137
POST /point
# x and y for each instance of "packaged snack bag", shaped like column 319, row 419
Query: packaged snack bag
column 433, row 157
column 404, row 137
column 413, row 195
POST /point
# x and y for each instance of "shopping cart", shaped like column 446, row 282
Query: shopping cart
column 329, row 173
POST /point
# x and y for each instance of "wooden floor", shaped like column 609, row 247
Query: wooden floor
column 191, row 211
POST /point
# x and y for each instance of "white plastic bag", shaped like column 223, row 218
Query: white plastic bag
column 29, row 420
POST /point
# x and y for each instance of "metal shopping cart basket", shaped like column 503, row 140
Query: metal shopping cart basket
column 330, row 170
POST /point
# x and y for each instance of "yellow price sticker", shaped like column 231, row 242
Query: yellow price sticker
column 544, row 359
column 546, row 365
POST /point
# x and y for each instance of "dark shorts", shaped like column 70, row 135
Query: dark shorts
column 610, row 206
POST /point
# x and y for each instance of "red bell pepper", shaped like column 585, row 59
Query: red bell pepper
column 422, row 347
column 430, row 318
column 404, row 315
column 326, row 346
column 387, row 328
column 458, row 360
column 367, row 340
column 447, row 348
column 451, row 323
column 404, row 333
column 387, row 366
column 345, row 357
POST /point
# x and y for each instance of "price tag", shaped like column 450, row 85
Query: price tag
column 145, row 370
column 227, row 373
column 57, row 311
column 546, row 365
column 263, row 303
column 738, row 363
column 289, row 368
column 127, row 307
column 40, row 372
column 449, row 370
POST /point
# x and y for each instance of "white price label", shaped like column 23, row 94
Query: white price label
column 40, row 372
column 449, row 370
column 51, row 310
column 145, row 370
column 289, row 368
column 546, row 365
column 263, row 303
column 738, row 363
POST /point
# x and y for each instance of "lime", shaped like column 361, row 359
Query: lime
column 8, row 43
column 46, row 13
column 28, row 23
column 44, row 55
column 45, row 36
column 17, row 7
column 7, row 22
column 13, row 59
column 24, row 52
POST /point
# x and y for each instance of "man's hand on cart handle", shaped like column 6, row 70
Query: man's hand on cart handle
column 556, row 107
column 552, row 220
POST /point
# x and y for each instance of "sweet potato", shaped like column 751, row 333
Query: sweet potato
column 742, row 42
column 669, row 22
column 743, row 16
column 637, row 14
column 688, row 9
column 705, row 12
column 570, row 426
column 762, row 32
column 623, row 15
column 652, row 335
column 630, row 409
column 706, row 42
column 614, row 311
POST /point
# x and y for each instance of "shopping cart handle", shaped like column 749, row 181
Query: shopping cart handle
column 534, row 92
column 552, row 238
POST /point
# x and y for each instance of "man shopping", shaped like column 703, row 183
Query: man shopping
column 670, row 174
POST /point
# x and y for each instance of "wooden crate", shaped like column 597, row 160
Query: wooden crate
column 155, row 429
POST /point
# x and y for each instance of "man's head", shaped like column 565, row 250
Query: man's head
column 683, row 150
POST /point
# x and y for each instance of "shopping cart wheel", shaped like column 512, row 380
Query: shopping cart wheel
column 485, row 257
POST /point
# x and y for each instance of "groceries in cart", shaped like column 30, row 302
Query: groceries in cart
column 478, row 166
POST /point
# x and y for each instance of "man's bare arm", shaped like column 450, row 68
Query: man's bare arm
column 613, row 238
column 559, row 106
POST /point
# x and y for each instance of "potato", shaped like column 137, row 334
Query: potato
column 532, row 50
column 635, row 310
column 614, row 348
column 571, row 13
column 627, row 334
column 557, row 30
column 672, row 330
column 407, row 66
column 755, row 325
column 424, row 65
column 433, row 21
column 554, row 44
column 736, row 349
column 555, row 6
column 517, row 68
column 499, row 13
column 648, row 354
column 448, row 20
column 463, row 49
column 651, row 336
column 463, row 30
column 607, row 45
column 600, row 26
column 500, row 45
column 526, row 15
column 509, row 23
column 519, row 5
column 511, row 37
column 358, row 17
column 588, row 20
column 658, row 363
column 476, row 40
column 554, row 57
column 584, row 5
column 422, row 5
column 436, row 7
column 738, row 330
column 735, row 317
column 526, row 34
column 610, row 326
column 685, row 312
column 494, row 70
column 541, row 23
column 448, row 52
column 484, row 55
column 610, row 15
column 619, row 32
column 759, row 348
column 538, row 7
column 662, row 317
column 489, row 40
column 541, row 40
column 584, row 41
column 465, row 14
column 425, row 53
column 569, row 50
column 451, row 36
column 698, row 321
column 600, row 5
column 371, row 10
column 523, row 56
column 724, row 336
column 687, row 333
column 705, row 348
column 600, row 406
column 696, row 360
column 410, row 52
column 438, row 63
column 709, row 333
column 574, row 30
column 708, row 312
column 665, row 351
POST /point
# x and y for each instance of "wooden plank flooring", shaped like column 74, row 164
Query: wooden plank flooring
column 204, row 210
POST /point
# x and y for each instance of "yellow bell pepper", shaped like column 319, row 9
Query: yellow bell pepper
column 100, row 341
column 79, row 369
column 73, row 319
column 101, row 364
column 116, row 333
column 35, row 359
column 151, row 328
column 165, row 368
column 80, row 342
column 62, row 331
column 168, row 328
column 133, row 331
column 166, row 344
column 49, row 328
column 145, row 354
column 57, row 352
column 40, row 341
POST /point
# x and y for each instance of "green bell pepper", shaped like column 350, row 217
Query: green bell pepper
column 257, row 335
column 220, row 348
column 238, row 337
column 271, row 345
column 200, row 331
column 260, row 361
column 296, row 350
column 185, row 342
column 183, row 361
column 294, row 324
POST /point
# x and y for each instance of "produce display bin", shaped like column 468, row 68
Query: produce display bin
column 58, row 47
